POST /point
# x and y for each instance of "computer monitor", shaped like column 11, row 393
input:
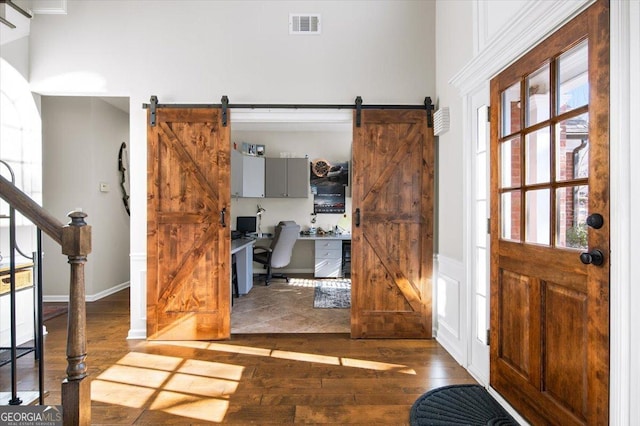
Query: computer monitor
column 246, row 224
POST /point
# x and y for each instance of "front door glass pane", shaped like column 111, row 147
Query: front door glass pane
column 511, row 163
column 510, row 214
column 538, row 157
column 511, row 110
column 538, row 93
column 572, row 148
column 573, row 79
column 572, row 209
column 538, row 216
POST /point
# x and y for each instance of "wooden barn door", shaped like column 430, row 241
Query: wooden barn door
column 392, row 241
column 550, row 226
column 188, row 242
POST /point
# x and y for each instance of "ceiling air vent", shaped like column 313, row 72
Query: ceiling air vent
column 304, row 23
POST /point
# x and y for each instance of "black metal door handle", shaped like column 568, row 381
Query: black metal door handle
column 223, row 212
column 594, row 257
column 357, row 217
column 595, row 220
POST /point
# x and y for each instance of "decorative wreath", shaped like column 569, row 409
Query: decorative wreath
column 320, row 167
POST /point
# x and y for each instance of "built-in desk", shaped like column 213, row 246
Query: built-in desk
column 328, row 252
column 329, row 255
column 242, row 248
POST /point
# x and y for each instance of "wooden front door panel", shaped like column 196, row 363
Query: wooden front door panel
column 187, row 244
column 550, row 171
column 392, row 246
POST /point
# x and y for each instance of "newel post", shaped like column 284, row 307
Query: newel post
column 76, row 390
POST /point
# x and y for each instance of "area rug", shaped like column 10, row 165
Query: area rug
column 332, row 297
column 459, row 405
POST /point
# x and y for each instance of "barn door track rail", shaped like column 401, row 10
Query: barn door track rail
column 225, row 106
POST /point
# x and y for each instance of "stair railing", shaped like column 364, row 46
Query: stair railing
column 38, row 335
column 75, row 240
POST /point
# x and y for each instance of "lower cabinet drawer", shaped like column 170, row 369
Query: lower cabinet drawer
column 328, row 268
column 328, row 245
column 328, row 254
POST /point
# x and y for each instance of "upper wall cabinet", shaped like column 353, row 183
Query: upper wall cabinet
column 287, row 177
column 247, row 175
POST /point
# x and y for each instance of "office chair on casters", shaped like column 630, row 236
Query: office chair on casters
column 278, row 254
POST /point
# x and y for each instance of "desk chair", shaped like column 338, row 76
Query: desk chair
column 278, row 254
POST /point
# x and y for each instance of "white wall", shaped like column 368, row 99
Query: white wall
column 329, row 145
column 454, row 48
column 81, row 140
column 17, row 54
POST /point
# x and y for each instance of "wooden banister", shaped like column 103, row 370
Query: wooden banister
column 76, row 390
column 75, row 240
column 31, row 210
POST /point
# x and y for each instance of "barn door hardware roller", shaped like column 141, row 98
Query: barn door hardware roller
column 428, row 105
column 153, row 104
column 358, row 111
column 225, row 106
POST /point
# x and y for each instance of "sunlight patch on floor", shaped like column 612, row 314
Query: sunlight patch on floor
column 380, row 366
column 306, row 357
column 327, row 282
column 298, row 356
column 120, row 394
column 135, row 375
column 180, row 404
column 181, row 386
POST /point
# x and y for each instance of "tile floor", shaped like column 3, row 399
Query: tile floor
column 285, row 308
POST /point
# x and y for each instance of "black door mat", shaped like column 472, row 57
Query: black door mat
column 459, row 405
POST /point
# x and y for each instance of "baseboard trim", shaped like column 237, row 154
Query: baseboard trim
column 137, row 334
column 88, row 298
column 452, row 348
column 503, row 402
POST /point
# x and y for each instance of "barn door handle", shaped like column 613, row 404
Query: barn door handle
column 357, row 217
column 223, row 212
column 594, row 257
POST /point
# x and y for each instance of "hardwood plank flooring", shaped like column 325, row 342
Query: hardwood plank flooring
column 266, row 378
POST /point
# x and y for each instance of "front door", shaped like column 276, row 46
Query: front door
column 187, row 238
column 550, row 226
column 392, row 241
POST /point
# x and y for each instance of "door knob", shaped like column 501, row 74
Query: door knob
column 595, row 220
column 594, row 257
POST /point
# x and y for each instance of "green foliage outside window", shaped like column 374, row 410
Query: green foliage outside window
column 577, row 236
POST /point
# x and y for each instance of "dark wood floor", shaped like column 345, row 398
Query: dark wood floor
column 250, row 379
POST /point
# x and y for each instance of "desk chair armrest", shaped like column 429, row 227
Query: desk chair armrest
column 258, row 250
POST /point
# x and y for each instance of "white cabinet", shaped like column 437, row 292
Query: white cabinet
column 328, row 259
column 247, row 175
column 287, row 178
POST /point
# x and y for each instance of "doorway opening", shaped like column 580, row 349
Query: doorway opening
column 314, row 135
